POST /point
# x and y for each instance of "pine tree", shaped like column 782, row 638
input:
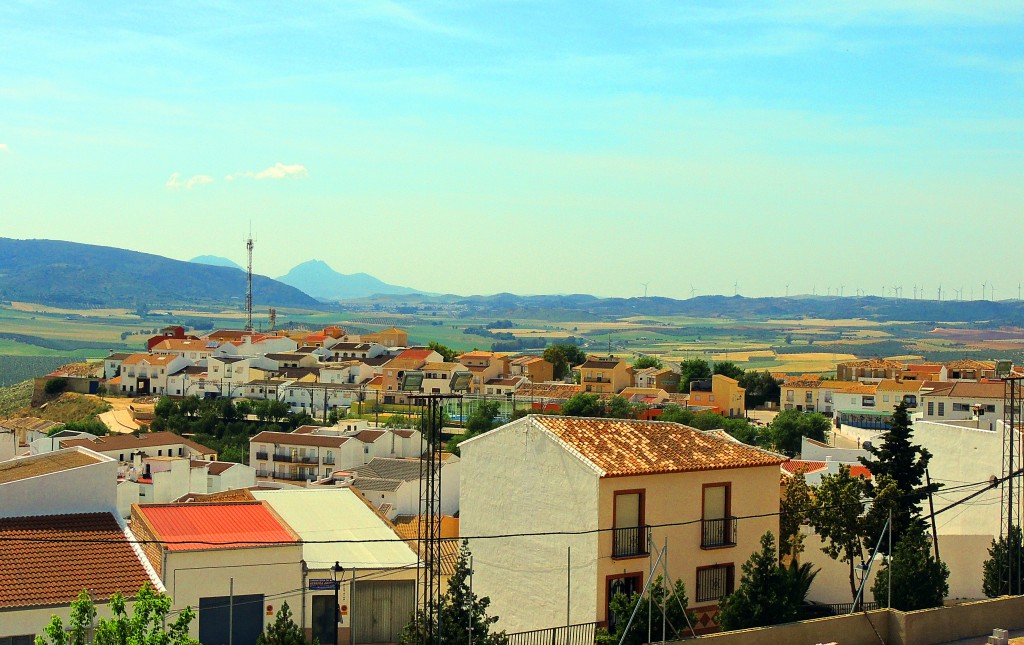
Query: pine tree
column 902, row 463
column 283, row 631
column 678, row 618
column 459, row 609
column 794, row 512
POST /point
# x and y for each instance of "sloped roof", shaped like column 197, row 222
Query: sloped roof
column 390, row 468
column 342, row 516
column 131, row 442
column 627, row 447
column 50, row 559
column 794, row 466
column 213, row 525
column 965, row 389
column 45, row 464
column 292, row 439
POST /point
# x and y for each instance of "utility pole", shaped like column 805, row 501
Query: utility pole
column 248, row 291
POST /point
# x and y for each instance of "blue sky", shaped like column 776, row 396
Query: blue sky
column 529, row 147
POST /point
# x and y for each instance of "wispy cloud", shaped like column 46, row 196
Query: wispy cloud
column 176, row 182
column 277, row 171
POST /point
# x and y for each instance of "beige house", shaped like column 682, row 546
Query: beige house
column 719, row 393
column 608, row 491
column 484, row 366
column 605, row 375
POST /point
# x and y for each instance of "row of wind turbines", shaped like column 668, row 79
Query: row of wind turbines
column 893, row 291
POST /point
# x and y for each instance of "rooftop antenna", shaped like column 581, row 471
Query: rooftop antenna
column 248, row 290
column 645, row 287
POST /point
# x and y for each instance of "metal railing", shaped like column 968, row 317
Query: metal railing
column 717, row 533
column 299, row 477
column 629, row 541
column 287, row 458
column 262, row 455
column 581, row 634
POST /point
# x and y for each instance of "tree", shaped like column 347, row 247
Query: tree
column 763, row 596
column 92, row 426
column 728, row 368
column 897, row 460
column 997, row 570
column 145, row 625
column 564, row 357
column 481, row 419
column 618, row 407
column 643, row 362
column 447, row 353
column 788, row 428
column 760, row 387
column 55, row 385
column 460, row 611
column 678, row 618
column 283, row 631
column 836, row 518
column 692, row 369
column 582, row 404
column 794, row 511
column 919, row 581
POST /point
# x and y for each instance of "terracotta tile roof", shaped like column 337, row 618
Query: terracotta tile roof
column 234, row 495
column 626, row 447
column 860, row 471
column 45, row 464
column 292, row 439
column 128, row 442
column 369, row 436
column 794, row 466
column 420, row 355
column 511, row 380
column 875, row 363
column 599, row 364
column 968, row 364
column 402, row 363
column 183, row 345
column 151, row 359
column 549, row 390
column 215, row 525
column 927, row 368
column 965, row 389
column 440, row 367
column 28, row 424
column 899, row 386
column 408, row 526
column 850, row 387
column 66, row 554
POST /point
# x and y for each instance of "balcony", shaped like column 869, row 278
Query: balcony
column 629, row 542
column 328, row 461
column 718, row 533
column 285, row 458
column 307, row 459
column 596, row 379
column 299, row 477
column 262, row 455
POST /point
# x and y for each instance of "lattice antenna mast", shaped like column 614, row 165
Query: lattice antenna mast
column 248, row 290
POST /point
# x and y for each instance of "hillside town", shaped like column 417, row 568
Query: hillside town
column 564, row 476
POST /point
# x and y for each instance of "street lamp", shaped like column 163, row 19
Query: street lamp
column 335, row 570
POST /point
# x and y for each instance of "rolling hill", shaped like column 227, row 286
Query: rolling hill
column 69, row 274
column 318, row 279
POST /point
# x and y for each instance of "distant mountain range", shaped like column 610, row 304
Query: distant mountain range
column 69, row 274
column 319, row 280
column 216, row 260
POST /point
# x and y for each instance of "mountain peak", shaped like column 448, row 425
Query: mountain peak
column 318, row 279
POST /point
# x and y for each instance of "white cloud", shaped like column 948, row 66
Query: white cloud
column 4, row 148
column 277, row 171
column 175, row 182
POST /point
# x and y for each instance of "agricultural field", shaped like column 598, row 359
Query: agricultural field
column 34, row 339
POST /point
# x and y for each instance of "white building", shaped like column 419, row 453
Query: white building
column 154, row 480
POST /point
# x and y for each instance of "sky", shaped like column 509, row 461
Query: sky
column 530, row 147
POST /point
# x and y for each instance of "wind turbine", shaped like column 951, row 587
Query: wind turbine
column 940, row 293
column 983, row 285
column 842, row 288
column 644, row 284
column 915, row 291
column 735, row 288
column 787, row 289
column 693, row 291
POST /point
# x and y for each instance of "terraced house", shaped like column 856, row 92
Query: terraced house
column 594, row 498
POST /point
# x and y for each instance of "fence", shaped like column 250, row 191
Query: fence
column 581, row 634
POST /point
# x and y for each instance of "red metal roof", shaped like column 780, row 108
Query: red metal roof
column 191, row 527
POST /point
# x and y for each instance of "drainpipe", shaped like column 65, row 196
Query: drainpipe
column 305, row 575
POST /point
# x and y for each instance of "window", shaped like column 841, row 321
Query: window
column 714, row 582
column 625, row 584
column 789, row 395
column 717, row 526
column 942, row 409
column 931, row 408
column 629, row 537
column 885, row 398
column 990, row 408
column 961, row 407
column 867, row 401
